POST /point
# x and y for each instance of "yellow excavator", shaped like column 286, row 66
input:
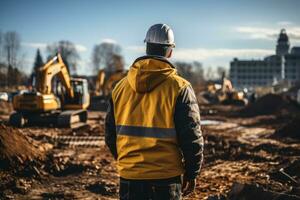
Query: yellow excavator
column 64, row 105
column 106, row 82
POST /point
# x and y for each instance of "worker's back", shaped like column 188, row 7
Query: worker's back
column 144, row 105
column 152, row 125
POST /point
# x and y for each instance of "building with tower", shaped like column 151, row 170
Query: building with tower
column 283, row 66
column 283, row 44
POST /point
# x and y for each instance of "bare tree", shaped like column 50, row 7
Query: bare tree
column 11, row 49
column 184, row 69
column 11, row 45
column 103, row 55
column 1, row 47
column 68, row 52
column 209, row 73
column 116, row 63
column 193, row 71
column 221, row 72
column 198, row 71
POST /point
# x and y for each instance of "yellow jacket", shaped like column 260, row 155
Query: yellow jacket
column 144, row 105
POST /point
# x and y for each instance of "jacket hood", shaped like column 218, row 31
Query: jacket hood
column 147, row 72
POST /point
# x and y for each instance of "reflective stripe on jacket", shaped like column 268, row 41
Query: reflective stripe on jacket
column 140, row 128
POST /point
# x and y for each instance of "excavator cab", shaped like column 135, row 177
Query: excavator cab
column 81, row 99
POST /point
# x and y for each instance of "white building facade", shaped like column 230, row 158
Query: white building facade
column 284, row 65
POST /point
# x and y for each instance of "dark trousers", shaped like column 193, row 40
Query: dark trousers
column 162, row 189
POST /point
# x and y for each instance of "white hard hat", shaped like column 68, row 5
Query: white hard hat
column 160, row 34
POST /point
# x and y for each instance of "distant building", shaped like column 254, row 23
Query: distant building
column 284, row 65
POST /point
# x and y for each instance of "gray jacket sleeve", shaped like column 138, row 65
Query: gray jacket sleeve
column 110, row 130
column 188, row 129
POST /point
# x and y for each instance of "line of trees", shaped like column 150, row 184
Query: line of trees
column 106, row 55
column 10, row 59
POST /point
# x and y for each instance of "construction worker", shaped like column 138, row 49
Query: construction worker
column 153, row 125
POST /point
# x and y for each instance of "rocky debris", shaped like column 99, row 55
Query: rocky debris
column 252, row 191
column 103, row 188
column 288, row 173
column 66, row 169
column 89, row 130
column 21, row 161
column 22, row 186
column 270, row 104
column 233, row 153
column 5, row 107
column 246, row 155
column 64, row 166
column 290, row 130
column 58, row 195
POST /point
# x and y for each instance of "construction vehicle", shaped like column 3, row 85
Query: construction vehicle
column 225, row 93
column 63, row 105
column 105, row 82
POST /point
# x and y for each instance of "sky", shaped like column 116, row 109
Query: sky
column 212, row 32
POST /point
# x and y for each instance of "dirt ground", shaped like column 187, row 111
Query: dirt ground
column 242, row 159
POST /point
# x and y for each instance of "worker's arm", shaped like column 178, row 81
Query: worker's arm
column 187, row 124
column 110, row 130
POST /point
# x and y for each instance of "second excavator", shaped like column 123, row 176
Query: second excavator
column 64, row 105
column 106, row 81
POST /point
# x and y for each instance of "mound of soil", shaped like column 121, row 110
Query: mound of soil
column 253, row 191
column 5, row 108
column 270, row 104
column 15, row 149
column 290, row 130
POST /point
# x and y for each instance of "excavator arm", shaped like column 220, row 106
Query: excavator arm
column 54, row 67
column 100, row 82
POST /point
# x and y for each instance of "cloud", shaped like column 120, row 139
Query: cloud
column 258, row 33
column 42, row 46
column 109, row 40
column 284, row 23
column 34, row 45
column 205, row 54
column 80, row 48
column 202, row 54
column 268, row 33
column 136, row 49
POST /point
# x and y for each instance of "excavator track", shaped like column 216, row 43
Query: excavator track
column 67, row 119
column 72, row 118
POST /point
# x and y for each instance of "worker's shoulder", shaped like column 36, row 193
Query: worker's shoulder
column 179, row 81
column 119, row 85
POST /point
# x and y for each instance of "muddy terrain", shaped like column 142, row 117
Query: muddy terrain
column 248, row 155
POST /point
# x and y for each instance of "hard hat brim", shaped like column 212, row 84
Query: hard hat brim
column 170, row 45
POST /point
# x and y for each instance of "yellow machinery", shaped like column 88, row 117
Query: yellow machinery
column 64, row 105
column 107, row 79
column 226, row 94
column 105, row 83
